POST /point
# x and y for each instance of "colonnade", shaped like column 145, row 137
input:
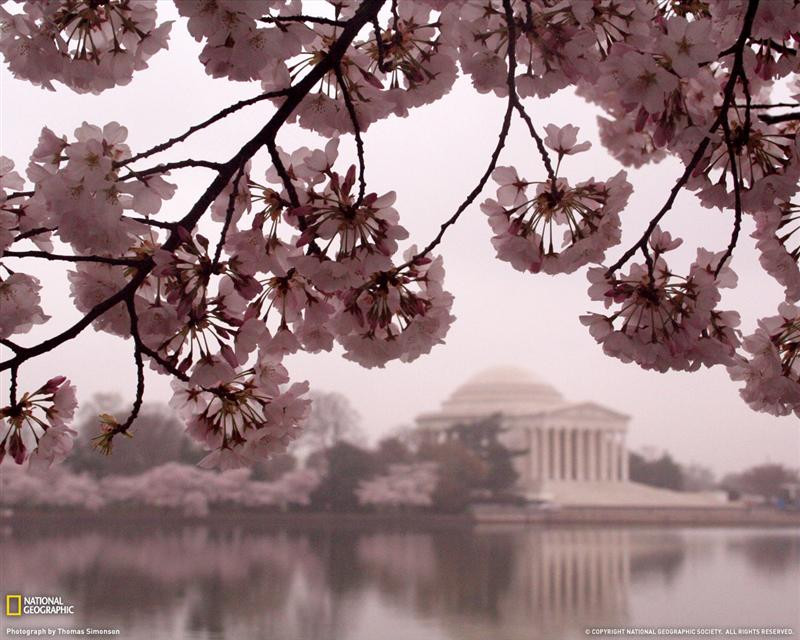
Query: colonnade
column 568, row 453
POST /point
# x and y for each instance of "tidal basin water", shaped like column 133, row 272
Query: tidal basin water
column 242, row 581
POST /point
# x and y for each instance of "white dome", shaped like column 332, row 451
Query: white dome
column 508, row 390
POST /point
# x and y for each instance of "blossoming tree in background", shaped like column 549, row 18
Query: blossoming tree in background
column 304, row 255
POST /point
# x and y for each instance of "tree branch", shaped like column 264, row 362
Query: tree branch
column 783, row 117
column 301, row 18
column 512, row 91
column 32, row 232
column 169, row 166
column 228, row 218
column 351, row 110
column 539, row 143
column 194, row 129
column 130, row 262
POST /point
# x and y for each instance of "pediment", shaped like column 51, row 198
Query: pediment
column 587, row 412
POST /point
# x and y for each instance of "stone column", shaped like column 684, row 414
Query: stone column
column 527, row 461
column 624, row 452
column 602, row 457
column 555, row 472
column 568, row 472
column 544, row 454
column 591, row 467
column 614, row 446
column 580, row 468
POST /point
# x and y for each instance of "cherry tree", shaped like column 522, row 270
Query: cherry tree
column 305, row 255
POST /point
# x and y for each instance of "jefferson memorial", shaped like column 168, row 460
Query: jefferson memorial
column 573, row 453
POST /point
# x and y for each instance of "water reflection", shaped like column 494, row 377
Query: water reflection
column 342, row 583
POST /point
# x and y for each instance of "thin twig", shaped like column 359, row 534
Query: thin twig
column 283, row 173
column 137, row 356
column 169, row 166
column 228, row 218
column 151, row 222
column 12, row 392
column 130, row 262
column 783, row 117
column 512, row 90
column 312, row 19
column 194, row 129
column 351, row 110
column 548, row 165
column 170, row 368
column 32, row 232
column 382, row 66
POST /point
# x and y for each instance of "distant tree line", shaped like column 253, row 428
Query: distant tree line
column 331, row 469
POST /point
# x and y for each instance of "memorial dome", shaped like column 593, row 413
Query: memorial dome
column 508, row 390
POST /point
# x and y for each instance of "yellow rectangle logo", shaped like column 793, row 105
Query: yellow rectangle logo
column 13, row 611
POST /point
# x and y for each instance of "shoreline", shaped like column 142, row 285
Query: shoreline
column 700, row 517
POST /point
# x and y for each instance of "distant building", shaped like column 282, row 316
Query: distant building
column 573, row 453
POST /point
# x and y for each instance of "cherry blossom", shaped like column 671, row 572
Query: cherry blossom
column 405, row 485
column 661, row 320
column 559, row 228
column 89, row 46
column 19, row 299
column 37, row 422
column 771, row 373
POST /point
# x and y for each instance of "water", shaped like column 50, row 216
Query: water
column 345, row 582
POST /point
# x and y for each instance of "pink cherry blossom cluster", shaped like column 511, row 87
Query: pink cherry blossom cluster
column 79, row 191
column 405, row 485
column 662, row 320
column 305, row 256
column 88, row 45
column 178, row 487
column 239, row 45
column 41, row 416
column 560, row 227
column 771, row 373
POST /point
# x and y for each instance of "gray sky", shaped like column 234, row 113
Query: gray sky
column 431, row 159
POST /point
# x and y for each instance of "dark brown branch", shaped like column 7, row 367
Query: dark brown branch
column 512, row 91
column 19, row 194
column 169, row 166
column 137, row 356
column 376, row 27
column 228, row 217
column 215, row 118
column 170, row 368
column 130, row 262
column 783, row 117
column 351, row 110
column 772, row 105
column 151, row 222
column 539, row 142
column 283, row 174
column 312, row 19
column 737, row 185
column 11, row 345
column 12, row 391
column 33, row 232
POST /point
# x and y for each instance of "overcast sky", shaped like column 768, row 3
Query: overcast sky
column 431, row 159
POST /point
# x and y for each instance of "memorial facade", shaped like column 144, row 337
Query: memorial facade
column 569, row 452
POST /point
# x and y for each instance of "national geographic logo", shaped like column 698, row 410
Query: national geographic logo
column 19, row 605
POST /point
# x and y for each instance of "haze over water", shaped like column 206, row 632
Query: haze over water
column 244, row 580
